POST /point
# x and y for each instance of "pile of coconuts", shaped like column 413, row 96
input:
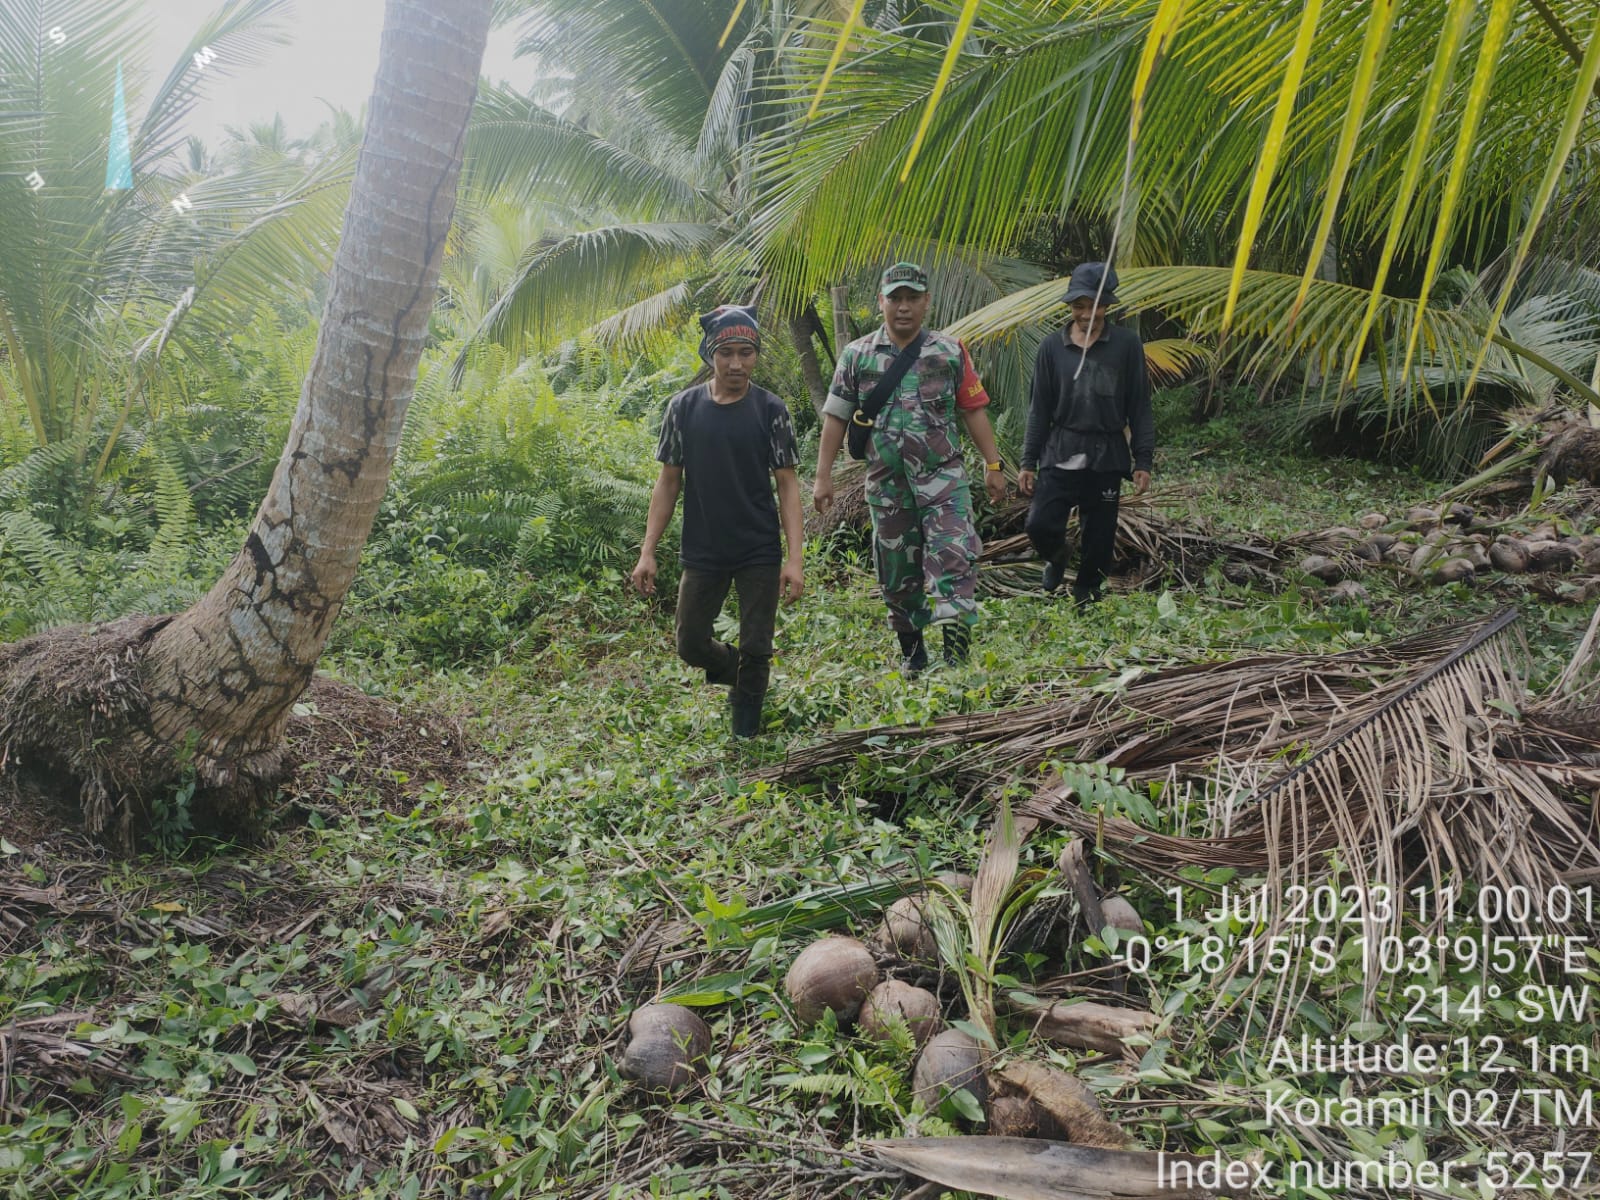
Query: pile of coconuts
column 842, row 975
column 1443, row 546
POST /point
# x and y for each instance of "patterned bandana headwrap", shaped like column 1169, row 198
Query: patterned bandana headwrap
column 727, row 324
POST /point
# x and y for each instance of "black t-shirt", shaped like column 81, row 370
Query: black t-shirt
column 728, row 453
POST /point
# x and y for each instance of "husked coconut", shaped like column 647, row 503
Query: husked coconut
column 1452, row 570
column 1372, row 520
column 895, row 1002
column 1400, row 553
column 1509, row 555
column 1477, row 556
column 1022, row 1116
column 834, row 975
column 1065, row 1100
column 1368, row 551
column 950, row 1061
column 1459, row 514
column 1341, row 534
column 1419, row 517
column 1012, row 1116
column 1321, row 567
column 906, row 930
column 1424, row 555
column 667, row 1047
column 1348, row 592
column 1591, row 561
column 1118, row 913
column 1552, row 556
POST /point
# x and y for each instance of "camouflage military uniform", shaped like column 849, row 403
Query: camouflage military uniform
column 924, row 542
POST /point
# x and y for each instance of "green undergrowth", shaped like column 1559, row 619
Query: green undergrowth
column 426, row 998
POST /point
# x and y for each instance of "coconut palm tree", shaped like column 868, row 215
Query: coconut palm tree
column 124, row 709
column 1379, row 143
column 99, row 282
column 645, row 161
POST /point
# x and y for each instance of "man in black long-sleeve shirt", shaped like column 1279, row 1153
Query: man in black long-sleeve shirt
column 1090, row 399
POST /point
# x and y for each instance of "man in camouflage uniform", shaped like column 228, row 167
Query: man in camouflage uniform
column 924, row 542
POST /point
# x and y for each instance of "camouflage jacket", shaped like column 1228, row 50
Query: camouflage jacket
column 916, row 434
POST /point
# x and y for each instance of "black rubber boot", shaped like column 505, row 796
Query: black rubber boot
column 957, row 641
column 728, row 674
column 746, row 712
column 913, row 653
column 1054, row 568
column 1084, row 597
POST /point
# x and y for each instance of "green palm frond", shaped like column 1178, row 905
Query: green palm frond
column 236, row 37
column 722, row 134
column 565, row 283
column 90, row 272
column 1322, row 334
column 1011, row 136
column 519, row 150
column 663, row 54
column 642, row 320
column 1036, row 118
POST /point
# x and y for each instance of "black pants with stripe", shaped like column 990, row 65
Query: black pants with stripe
column 1095, row 495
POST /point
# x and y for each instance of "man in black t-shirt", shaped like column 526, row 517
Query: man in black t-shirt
column 722, row 445
column 1090, row 400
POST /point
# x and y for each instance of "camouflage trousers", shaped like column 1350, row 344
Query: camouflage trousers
column 926, row 549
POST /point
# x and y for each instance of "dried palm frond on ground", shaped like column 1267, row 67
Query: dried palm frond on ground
column 1150, row 545
column 1146, row 724
column 1392, row 766
column 1410, row 757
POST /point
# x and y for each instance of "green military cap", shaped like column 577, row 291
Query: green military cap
column 903, row 274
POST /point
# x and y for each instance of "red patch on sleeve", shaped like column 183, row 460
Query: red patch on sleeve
column 970, row 394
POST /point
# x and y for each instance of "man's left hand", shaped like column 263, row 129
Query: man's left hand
column 1141, row 482
column 791, row 582
column 994, row 483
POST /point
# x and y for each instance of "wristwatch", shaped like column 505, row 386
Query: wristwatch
column 995, row 466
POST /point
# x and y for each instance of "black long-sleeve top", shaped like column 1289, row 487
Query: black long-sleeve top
column 1099, row 412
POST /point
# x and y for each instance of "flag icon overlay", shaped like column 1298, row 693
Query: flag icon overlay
column 119, row 161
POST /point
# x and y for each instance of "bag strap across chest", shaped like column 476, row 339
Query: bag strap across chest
column 873, row 404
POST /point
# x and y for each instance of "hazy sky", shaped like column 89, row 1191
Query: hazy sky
column 333, row 56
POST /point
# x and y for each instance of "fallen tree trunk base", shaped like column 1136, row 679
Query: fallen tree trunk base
column 76, row 743
column 75, row 723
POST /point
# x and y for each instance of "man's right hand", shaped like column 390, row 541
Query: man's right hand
column 1025, row 482
column 822, row 493
column 644, row 575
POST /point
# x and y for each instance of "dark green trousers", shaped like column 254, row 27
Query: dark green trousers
column 744, row 668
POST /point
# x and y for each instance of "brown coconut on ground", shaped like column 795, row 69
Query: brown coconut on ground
column 897, row 1003
column 667, row 1047
column 834, row 974
column 951, row 1061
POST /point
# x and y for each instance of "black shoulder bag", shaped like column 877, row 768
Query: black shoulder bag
column 861, row 421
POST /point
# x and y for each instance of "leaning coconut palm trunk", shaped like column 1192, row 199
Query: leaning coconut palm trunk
column 126, row 709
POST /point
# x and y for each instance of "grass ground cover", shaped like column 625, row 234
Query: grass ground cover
column 416, row 984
